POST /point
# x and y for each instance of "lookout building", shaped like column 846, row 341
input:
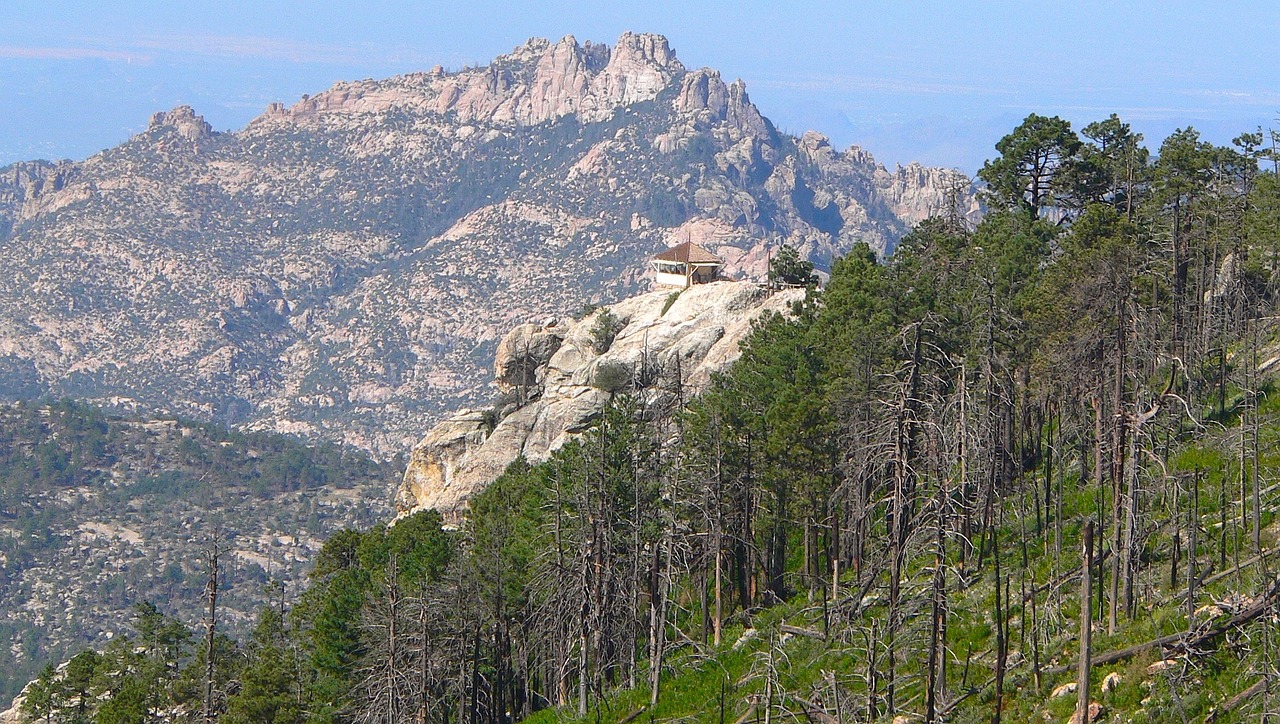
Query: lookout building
column 685, row 265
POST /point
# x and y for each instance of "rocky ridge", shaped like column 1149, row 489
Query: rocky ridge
column 557, row 382
column 344, row 267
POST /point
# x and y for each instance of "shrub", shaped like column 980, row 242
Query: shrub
column 611, row 376
column 606, row 327
column 671, row 299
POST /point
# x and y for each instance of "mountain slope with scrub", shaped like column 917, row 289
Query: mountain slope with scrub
column 343, row 268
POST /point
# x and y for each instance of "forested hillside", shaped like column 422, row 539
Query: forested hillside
column 894, row 504
column 100, row 513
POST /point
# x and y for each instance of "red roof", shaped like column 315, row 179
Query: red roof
column 688, row 253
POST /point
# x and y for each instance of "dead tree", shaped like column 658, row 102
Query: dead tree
column 1086, row 621
column 211, row 625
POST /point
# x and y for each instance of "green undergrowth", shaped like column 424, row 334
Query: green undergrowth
column 720, row 684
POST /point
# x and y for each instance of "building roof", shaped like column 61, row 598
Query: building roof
column 688, row 253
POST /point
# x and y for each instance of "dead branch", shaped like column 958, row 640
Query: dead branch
column 797, row 631
column 1186, row 641
column 633, row 715
column 1237, row 700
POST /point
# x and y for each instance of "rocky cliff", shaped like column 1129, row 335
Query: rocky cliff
column 343, row 267
column 557, row 377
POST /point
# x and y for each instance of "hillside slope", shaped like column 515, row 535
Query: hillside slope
column 877, row 513
column 99, row 514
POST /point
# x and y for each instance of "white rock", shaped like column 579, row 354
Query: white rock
column 1064, row 690
column 1162, row 665
column 1111, row 681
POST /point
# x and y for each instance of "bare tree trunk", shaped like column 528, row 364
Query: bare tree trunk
column 1118, row 561
column 937, row 631
column 1253, row 429
column 658, row 617
column 1192, row 531
column 1002, row 631
column 393, row 639
column 1102, row 496
column 835, row 554
column 719, row 537
column 583, row 662
column 895, row 583
column 211, row 624
column 963, row 454
column 475, row 677
column 1086, row 622
column 719, row 619
column 1222, row 525
column 873, row 683
column 424, row 658
column 1035, row 638
column 1130, row 542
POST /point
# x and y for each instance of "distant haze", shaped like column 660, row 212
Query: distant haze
column 937, row 82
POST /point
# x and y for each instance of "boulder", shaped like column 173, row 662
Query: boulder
column 1066, row 689
column 1094, row 714
column 1111, row 682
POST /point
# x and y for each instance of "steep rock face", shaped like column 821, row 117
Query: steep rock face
column 523, row 354
column 698, row 335
column 13, row 715
column 916, row 192
column 22, row 184
column 344, row 268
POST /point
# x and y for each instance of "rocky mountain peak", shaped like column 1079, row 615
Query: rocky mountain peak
column 743, row 114
column 536, row 82
column 702, row 90
column 184, row 121
column 646, row 48
column 22, row 184
column 531, row 49
column 817, row 148
column 591, row 80
column 704, row 97
column 641, row 65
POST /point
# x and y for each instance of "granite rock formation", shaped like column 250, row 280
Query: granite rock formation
column 552, row 376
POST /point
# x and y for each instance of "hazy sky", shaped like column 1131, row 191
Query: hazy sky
column 938, row 82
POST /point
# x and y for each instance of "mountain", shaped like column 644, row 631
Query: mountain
column 343, row 268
